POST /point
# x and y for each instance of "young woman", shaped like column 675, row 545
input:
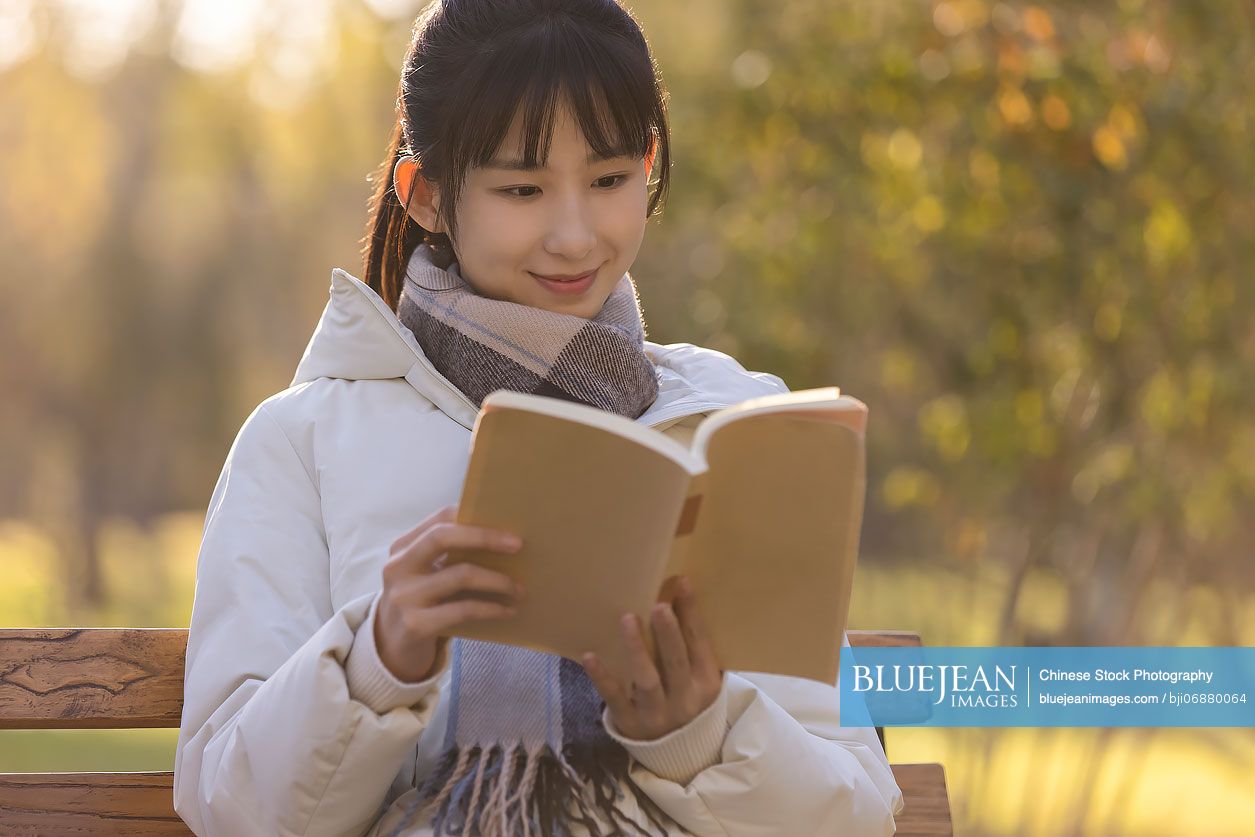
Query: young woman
column 323, row 695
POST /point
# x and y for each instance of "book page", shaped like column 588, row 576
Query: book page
column 596, row 513
column 826, row 401
column 774, row 547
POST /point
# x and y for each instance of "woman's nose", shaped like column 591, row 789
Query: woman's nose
column 571, row 231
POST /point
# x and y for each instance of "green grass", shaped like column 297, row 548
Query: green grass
column 86, row 750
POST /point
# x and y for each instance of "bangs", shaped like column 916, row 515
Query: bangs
column 607, row 81
column 476, row 69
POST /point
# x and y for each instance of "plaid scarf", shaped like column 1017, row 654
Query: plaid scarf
column 525, row 750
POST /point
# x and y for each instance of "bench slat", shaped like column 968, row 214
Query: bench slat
column 927, row 811
column 121, row 678
column 91, row 804
column 883, row 639
column 91, row 678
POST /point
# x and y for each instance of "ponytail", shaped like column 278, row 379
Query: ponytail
column 391, row 235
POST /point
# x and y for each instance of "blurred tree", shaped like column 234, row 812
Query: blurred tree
column 1018, row 231
column 1021, row 233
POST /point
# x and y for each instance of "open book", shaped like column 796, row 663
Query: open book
column 762, row 513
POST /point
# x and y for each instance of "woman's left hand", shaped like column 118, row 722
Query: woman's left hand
column 653, row 704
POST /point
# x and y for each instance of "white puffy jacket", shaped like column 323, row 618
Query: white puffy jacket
column 292, row 725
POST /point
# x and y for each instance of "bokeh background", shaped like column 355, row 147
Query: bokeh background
column 1023, row 234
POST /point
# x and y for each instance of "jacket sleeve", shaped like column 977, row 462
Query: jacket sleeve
column 769, row 756
column 276, row 737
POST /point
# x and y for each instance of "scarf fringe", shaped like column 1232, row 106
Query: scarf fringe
column 508, row 791
column 497, row 786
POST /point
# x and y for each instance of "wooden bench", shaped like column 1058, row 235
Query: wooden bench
column 105, row 678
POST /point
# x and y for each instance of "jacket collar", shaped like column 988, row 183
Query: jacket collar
column 359, row 337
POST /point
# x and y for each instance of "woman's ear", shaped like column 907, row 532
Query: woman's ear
column 415, row 193
column 649, row 158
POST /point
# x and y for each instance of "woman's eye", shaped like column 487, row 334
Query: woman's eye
column 608, row 182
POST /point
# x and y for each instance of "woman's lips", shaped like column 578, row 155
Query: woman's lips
column 574, row 286
column 565, row 277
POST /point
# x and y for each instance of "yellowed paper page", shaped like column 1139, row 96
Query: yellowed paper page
column 596, row 513
column 773, row 553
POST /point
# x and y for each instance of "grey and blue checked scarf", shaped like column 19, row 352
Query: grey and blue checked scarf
column 525, row 752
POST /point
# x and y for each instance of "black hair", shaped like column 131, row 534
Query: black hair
column 471, row 67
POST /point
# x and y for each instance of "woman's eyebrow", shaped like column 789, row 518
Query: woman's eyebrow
column 519, row 165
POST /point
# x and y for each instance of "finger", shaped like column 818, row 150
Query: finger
column 647, row 691
column 611, row 691
column 442, row 584
column 441, row 618
column 444, row 514
column 416, row 592
column 702, row 659
column 672, row 649
column 422, row 554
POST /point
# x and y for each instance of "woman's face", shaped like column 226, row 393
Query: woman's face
column 572, row 217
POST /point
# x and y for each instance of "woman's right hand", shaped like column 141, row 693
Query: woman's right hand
column 413, row 616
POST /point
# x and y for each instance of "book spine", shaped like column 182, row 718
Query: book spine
column 688, row 515
column 683, row 540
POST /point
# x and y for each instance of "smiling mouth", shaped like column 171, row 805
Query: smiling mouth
column 564, row 278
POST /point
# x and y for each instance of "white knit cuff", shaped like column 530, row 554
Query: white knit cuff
column 683, row 753
column 371, row 683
